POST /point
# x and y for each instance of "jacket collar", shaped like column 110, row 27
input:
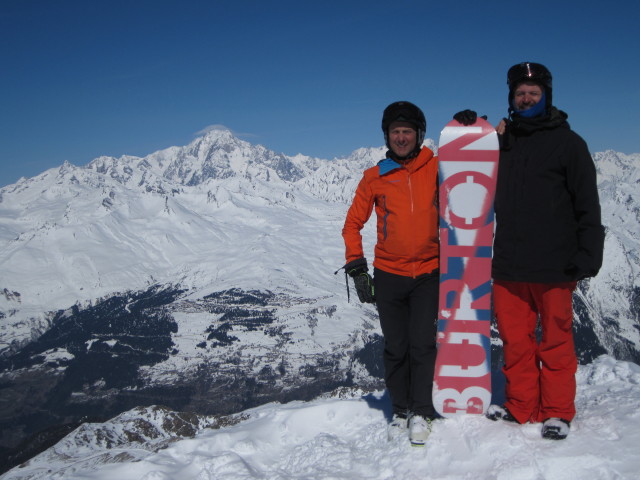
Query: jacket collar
column 388, row 165
column 555, row 118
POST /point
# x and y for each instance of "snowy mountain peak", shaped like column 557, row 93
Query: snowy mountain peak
column 218, row 137
column 218, row 154
column 214, row 130
column 617, row 167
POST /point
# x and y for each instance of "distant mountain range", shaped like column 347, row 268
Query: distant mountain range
column 201, row 278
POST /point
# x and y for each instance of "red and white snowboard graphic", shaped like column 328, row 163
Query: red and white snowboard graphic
column 468, row 167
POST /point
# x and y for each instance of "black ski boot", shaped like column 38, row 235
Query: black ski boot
column 496, row 412
column 555, row 428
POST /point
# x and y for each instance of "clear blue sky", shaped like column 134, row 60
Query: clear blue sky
column 80, row 79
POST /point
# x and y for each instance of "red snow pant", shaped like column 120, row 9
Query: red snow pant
column 540, row 376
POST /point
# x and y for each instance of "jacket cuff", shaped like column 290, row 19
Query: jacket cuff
column 357, row 266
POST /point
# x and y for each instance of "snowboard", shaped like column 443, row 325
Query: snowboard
column 468, row 168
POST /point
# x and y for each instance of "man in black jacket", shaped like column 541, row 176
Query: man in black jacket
column 548, row 237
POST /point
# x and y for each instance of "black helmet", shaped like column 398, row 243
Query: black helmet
column 532, row 72
column 404, row 112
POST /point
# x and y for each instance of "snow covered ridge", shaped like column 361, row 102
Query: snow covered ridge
column 344, row 437
column 73, row 235
column 129, row 436
column 201, row 278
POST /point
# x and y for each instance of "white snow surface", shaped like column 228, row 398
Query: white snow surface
column 345, row 438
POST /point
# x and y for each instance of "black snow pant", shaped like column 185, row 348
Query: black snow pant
column 408, row 310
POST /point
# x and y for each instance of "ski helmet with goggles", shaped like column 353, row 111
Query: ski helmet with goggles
column 404, row 112
column 531, row 72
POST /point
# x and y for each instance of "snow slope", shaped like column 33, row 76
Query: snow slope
column 345, row 438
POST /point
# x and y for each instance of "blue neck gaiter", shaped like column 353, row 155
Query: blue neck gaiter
column 535, row 111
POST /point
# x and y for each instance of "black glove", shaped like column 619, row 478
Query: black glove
column 467, row 117
column 365, row 288
column 357, row 269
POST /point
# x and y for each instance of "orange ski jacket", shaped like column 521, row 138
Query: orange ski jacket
column 406, row 202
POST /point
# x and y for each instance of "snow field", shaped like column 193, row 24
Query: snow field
column 346, row 439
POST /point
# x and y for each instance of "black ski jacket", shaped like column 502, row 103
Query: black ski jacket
column 548, row 226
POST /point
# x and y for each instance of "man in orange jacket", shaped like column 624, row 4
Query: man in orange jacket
column 403, row 190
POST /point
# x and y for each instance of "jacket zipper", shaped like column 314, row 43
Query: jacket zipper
column 413, row 247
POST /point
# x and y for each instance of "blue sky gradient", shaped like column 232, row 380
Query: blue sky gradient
column 81, row 79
